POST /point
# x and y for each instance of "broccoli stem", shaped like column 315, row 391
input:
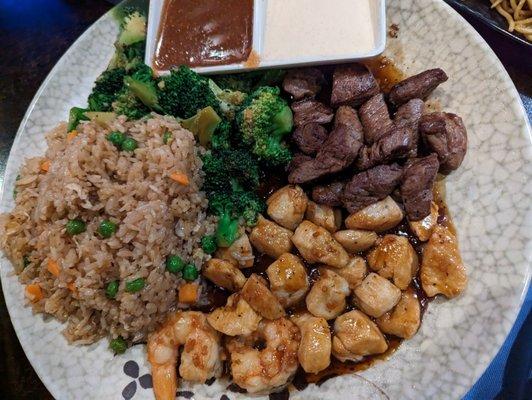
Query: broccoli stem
column 144, row 91
column 227, row 230
column 283, row 122
column 203, row 124
column 76, row 115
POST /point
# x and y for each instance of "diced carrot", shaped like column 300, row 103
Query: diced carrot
column 72, row 287
column 53, row 267
column 71, row 135
column 45, row 165
column 188, row 293
column 180, row 178
column 34, row 292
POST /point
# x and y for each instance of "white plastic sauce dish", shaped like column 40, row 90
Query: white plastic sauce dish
column 289, row 33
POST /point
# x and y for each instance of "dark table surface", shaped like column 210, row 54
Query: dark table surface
column 34, row 34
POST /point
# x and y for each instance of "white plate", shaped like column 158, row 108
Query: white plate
column 489, row 197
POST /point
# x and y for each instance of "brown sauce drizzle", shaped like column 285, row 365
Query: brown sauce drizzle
column 385, row 71
column 387, row 75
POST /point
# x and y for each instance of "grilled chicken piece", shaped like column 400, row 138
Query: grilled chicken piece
column 235, row 318
column 261, row 299
column 378, row 217
column 324, row 216
column 376, row 295
column 314, row 353
column 270, row 238
column 288, row 279
column 403, row 321
column 327, row 297
column 423, row 228
column 394, row 258
column 356, row 336
column 240, row 253
column 287, row 206
column 354, row 272
column 224, row 274
column 355, row 240
column 317, row 245
column 442, row 269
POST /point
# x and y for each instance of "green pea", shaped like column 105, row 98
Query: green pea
column 166, row 137
column 129, row 144
column 190, row 273
column 118, row 345
column 112, row 289
column 75, row 227
column 208, row 244
column 107, row 228
column 174, row 264
column 116, row 138
column 135, row 285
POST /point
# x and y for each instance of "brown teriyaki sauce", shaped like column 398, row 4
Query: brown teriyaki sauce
column 387, row 75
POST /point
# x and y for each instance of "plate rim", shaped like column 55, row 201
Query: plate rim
column 56, row 390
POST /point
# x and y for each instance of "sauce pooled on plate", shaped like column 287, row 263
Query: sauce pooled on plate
column 204, row 33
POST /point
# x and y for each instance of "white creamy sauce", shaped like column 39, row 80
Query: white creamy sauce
column 306, row 29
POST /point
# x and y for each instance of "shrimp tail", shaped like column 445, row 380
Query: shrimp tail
column 164, row 381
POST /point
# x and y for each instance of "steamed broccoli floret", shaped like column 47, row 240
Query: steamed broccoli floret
column 143, row 86
column 226, row 167
column 221, row 138
column 132, row 28
column 230, row 101
column 237, row 204
column 131, row 43
column 263, row 121
column 128, row 104
column 231, row 179
column 106, row 88
column 247, row 82
column 184, row 92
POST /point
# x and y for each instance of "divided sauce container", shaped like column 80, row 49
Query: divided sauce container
column 289, row 33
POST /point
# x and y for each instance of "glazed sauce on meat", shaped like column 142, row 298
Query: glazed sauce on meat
column 385, row 71
column 387, row 75
column 204, row 33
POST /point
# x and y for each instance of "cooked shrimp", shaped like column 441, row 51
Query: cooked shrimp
column 264, row 371
column 200, row 358
column 314, row 351
column 235, row 318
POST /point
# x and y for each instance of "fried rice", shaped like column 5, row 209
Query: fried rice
column 84, row 176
